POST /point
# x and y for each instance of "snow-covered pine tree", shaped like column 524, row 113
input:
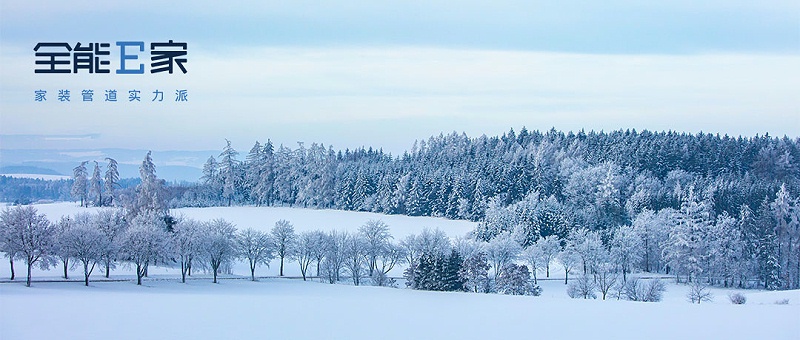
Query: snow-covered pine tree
column 111, row 181
column 228, row 172
column 96, row 186
column 80, row 186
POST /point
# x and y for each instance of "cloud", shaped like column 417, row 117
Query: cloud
column 386, row 97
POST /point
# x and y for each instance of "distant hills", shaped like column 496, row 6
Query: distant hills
column 177, row 166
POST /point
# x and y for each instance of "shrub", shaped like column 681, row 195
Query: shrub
column 737, row 298
column 636, row 290
column 782, row 302
column 583, row 287
column 699, row 292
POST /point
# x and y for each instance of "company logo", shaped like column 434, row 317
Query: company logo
column 61, row 57
column 97, row 58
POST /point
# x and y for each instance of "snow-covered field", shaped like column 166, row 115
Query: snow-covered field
column 293, row 309
column 163, row 308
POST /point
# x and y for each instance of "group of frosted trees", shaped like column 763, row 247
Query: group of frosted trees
column 98, row 189
column 536, row 184
column 600, row 180
column 752, row 249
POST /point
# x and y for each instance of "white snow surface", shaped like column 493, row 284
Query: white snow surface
column 293, row 309
column 281, row 308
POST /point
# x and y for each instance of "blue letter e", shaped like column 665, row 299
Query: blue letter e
column 123, row 57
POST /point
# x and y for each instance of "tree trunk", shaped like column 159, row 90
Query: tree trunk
column 108, row 268
column 139, row 272
column 566, row 276
column 11, row 260
column 28, row 283
column 86, row 274
column 281, row 266
column 215, row 274
column 252, row 271
column 66, row 263
column 183, row 272
column 547, row 267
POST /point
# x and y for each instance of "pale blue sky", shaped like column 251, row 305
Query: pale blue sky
column 385, row 73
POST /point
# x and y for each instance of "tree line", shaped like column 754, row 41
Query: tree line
column 532, row 184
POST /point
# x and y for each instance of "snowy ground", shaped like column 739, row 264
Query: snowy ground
column 274, row 308
column 293, row 309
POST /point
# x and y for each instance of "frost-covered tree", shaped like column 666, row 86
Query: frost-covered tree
column 111, row 181
column 534, row 257
column 31, row 236
column 319, row 243
column 515, row 280
column 256, row 247
column 112, row 225
column 786, row 213
column 228, row 171
column 391, row 256
column 726, row 250
column 80, row 185
column 96, row 186
column 9, row 244
column 307, row 249
column 549, row 247
column 605, row 277
column 502, row 250
column 283, row 240
column 583, row 287
column 334, row 255
column 218, row 244
column 150, row 196
column 652, row 229
column 61, row 251
column 376, row 236
column 354, row 260
column 569, row 259
column 699, row 292
column 587, row 245
column 626, row 249
column 85, row 242
column 475, row 273
column 686, row 250
column 145, row 242
column 187, row 238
